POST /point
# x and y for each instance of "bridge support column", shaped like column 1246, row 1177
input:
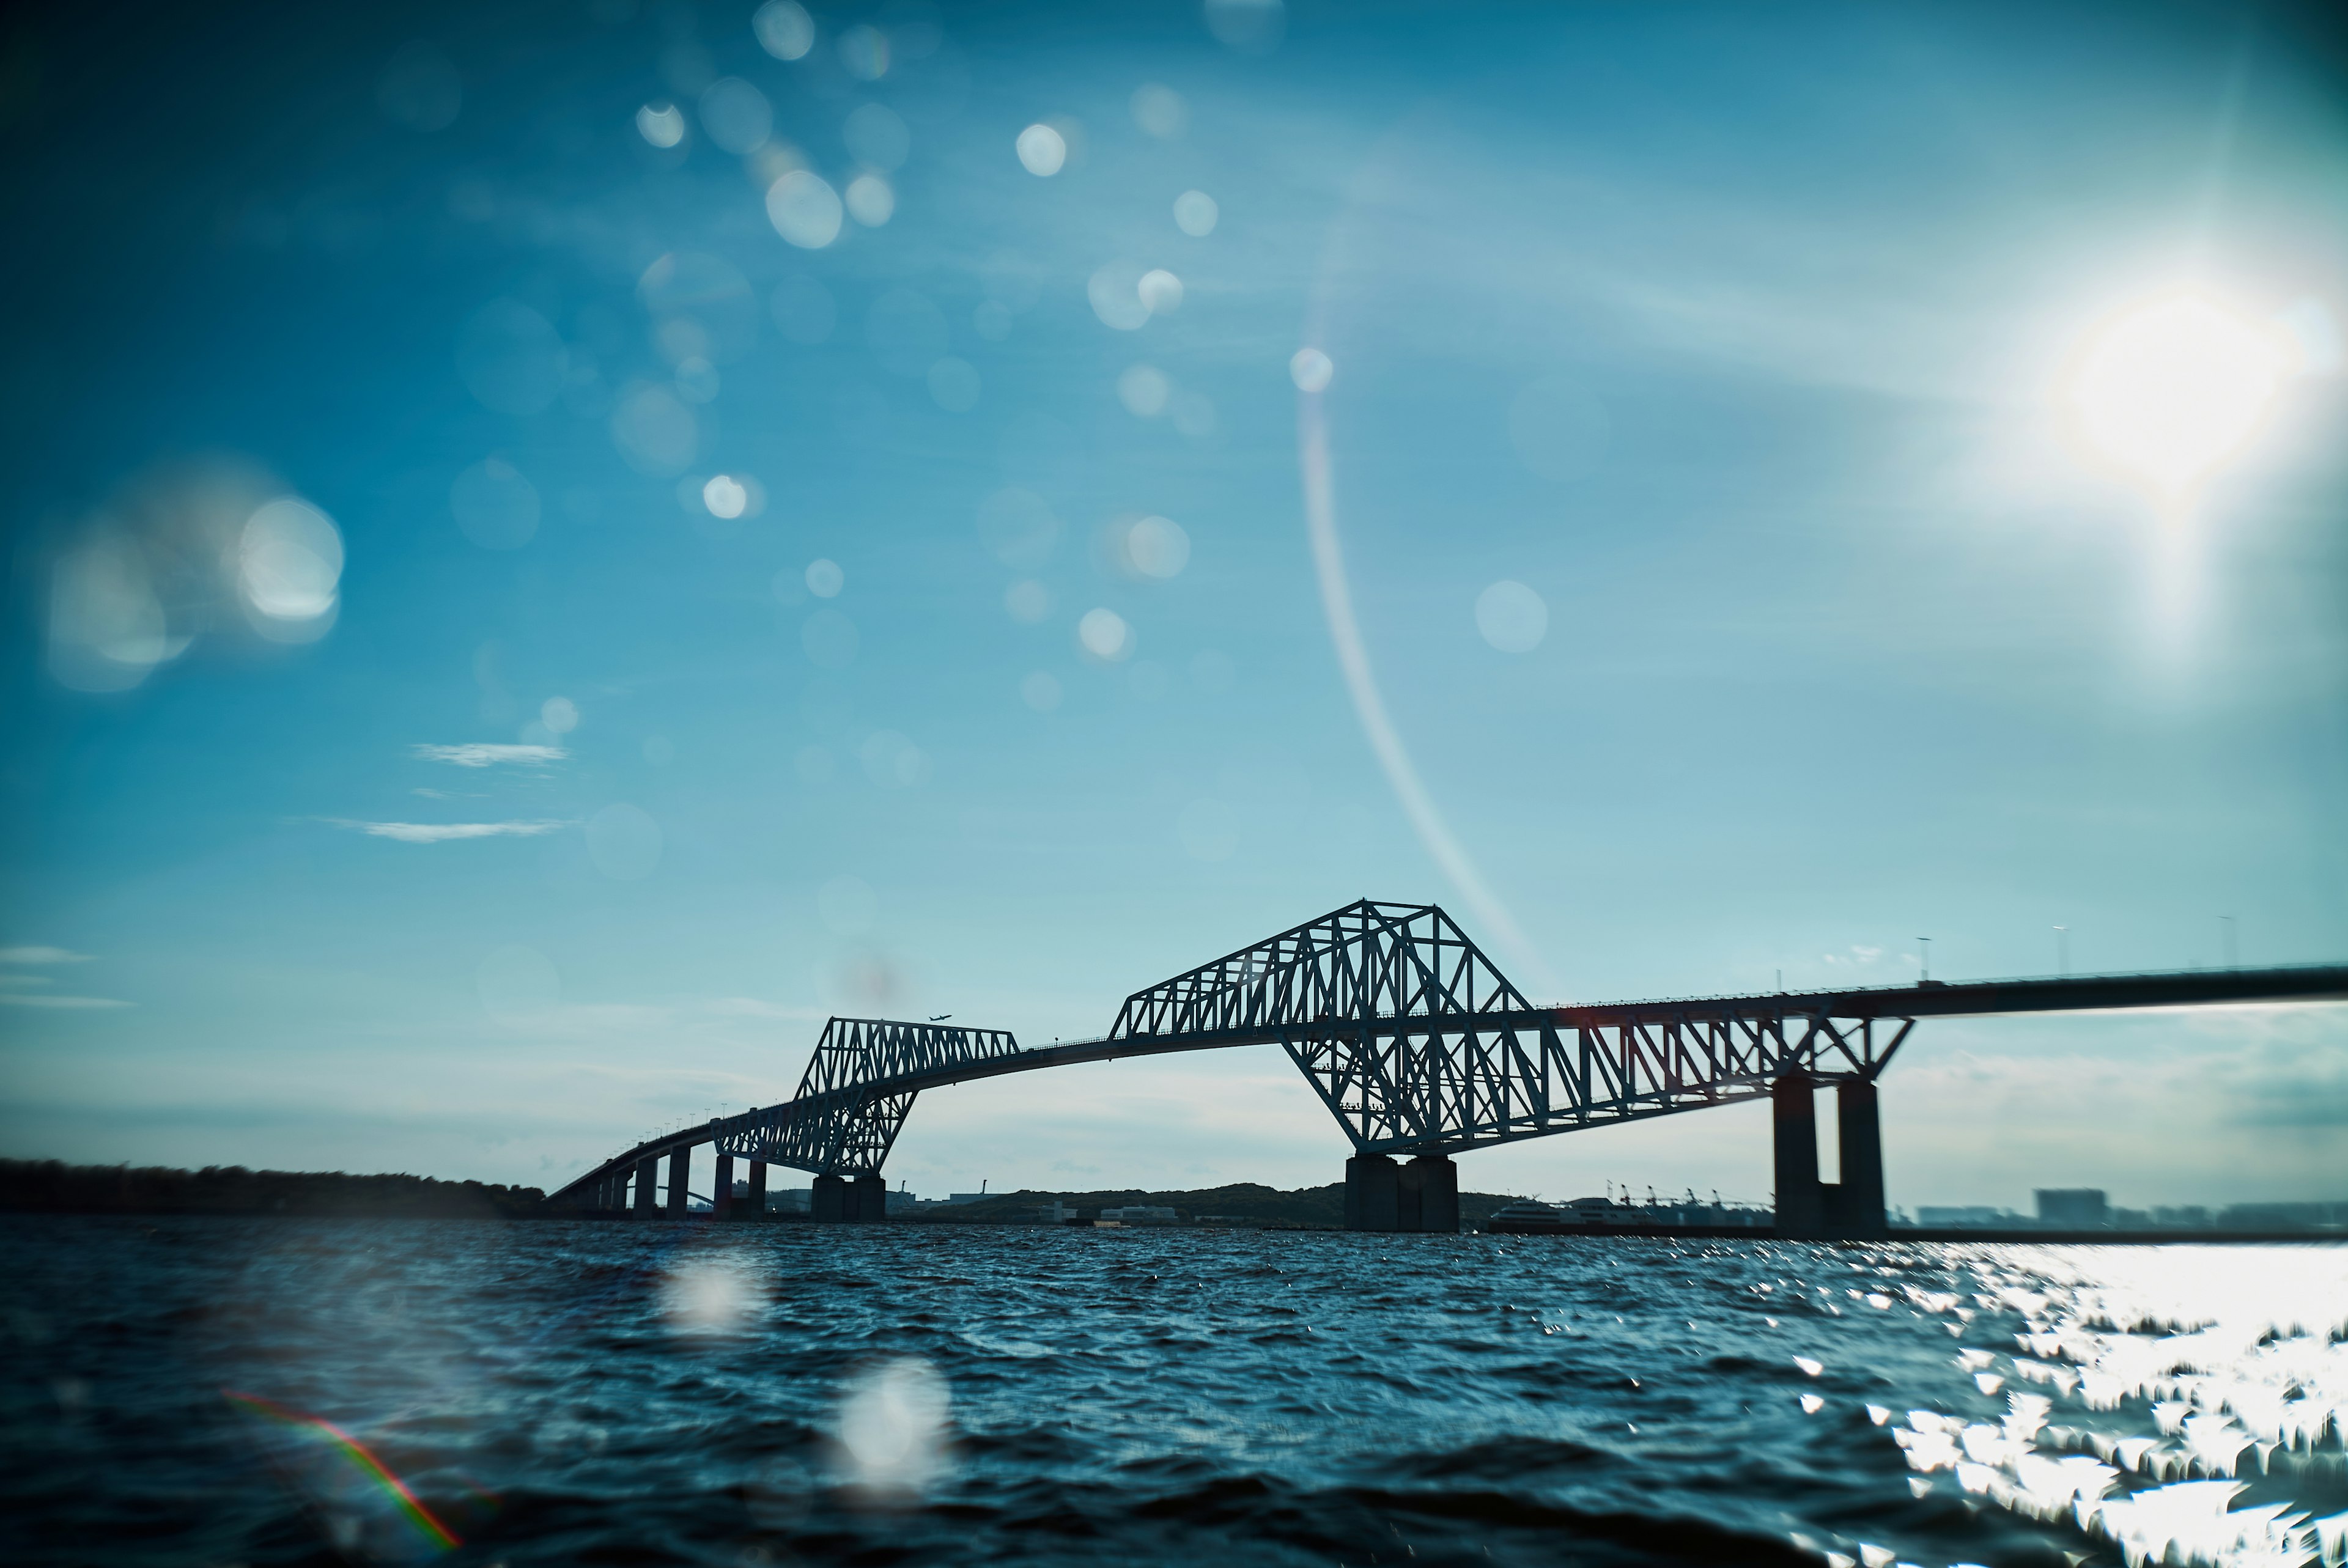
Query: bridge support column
column 1373, row 1192
column 1859, row 1131
column 646, row 1179
column 828, row 1203
column 869, row 1196
column 680, row 1167
column 721, row 1189
column 753, row 1205
column 1794, row 1113
column 1427, row 1196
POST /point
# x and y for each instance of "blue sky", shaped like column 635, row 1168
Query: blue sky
column 409, row 770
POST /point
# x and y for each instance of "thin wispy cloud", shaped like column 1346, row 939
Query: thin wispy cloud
column 442, row 832
column 41, row 956
column 43, row 1000
column 483, row 754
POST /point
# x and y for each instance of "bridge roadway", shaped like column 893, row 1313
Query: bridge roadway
column 1419, row 1048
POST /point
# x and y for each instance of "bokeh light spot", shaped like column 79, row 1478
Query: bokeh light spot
column 892, row 1428
column 871, row 200
column 1040, row 691
column 804, row 209
column 1248, row 27
column 735, row 115
column 1043, row 151
column 876, row 135
column 1161, row 292
column 784, row 29
column 654, row 431
column 290, row 562
column 495, row 506
column 1103, row 635
column 1311, row 370
column 662, row 124
column 1114, row 290
column 1027, row 601
column 891, row 760
column 106, row 626
column 1159, row 548
column 1159, row 112
column 711, row 1297
column 1195, row 214
column 955, row 384
column 1512, row 616
column 1144, row 389
column 725, row 496
column 864, row 52
column 1194, row 413
column 825, row 580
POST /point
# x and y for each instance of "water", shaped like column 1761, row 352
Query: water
column 567, row 1393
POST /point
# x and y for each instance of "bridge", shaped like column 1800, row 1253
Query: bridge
column 1422, row 1050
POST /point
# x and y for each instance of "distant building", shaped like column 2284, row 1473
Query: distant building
column 1941, row 1216
column 2072, row 1207
column 979, row 1196
column 1141, row 1214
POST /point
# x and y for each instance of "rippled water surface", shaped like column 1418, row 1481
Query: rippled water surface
column 293, row 1392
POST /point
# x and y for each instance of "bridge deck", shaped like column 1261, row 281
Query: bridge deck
column 1903, row 1004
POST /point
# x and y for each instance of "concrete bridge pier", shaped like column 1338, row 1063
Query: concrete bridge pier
column 868, row 1200
column 827, row 1204
column 680, row 1166
column 646, row 1172
column 1794, row 1120
column 721, row 1189
column 1373, row 1192
column 1382, row 1194
column 1852, row 1208
column 1858, row 1199
column 754, row 1204
column 1429, row 1195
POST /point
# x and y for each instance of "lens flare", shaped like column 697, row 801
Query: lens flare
column 892, row 1427
column 410, row 1506
column 2170, row 388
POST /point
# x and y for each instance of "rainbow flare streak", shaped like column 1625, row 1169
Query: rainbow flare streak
column 440, row 1534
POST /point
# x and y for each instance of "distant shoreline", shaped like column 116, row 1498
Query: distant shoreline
column 52, row 1187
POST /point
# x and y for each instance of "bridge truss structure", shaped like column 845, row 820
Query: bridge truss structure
column 1420, row 1046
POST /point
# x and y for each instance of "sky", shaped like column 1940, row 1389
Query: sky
column 553, row 549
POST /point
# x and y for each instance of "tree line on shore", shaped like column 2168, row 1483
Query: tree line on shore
column 52, row 1186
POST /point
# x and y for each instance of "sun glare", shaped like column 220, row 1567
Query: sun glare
column 2168, row 389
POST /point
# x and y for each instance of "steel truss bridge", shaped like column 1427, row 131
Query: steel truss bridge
column 1421, row 1048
